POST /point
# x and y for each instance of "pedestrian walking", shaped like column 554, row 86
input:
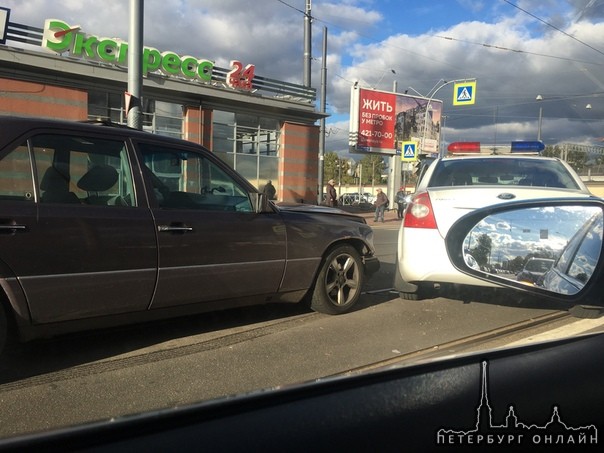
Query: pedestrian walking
column 381, row 202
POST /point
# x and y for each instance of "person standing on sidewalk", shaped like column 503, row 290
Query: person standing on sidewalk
column 400, row 202
column 381, row 202
column 332, row 195
column 269, row 190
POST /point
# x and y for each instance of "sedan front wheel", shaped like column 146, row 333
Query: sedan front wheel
column 339, row 282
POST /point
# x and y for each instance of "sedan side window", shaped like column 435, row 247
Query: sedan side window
column 185, row 179
column 83, row 170
column 16, row 180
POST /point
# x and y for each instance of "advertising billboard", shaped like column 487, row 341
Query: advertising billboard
column 381, row 121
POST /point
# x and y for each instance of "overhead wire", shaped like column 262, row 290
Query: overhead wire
column 537, row 54
column 486, row 45
column 553, row 26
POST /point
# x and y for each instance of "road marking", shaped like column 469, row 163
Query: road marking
column 569, row 330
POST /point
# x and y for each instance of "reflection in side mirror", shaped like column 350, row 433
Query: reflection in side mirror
column 555, row 248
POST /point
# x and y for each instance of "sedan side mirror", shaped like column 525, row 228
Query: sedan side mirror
column 550, row 247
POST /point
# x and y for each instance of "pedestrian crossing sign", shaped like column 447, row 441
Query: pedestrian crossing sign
column 464, row 93
column 409, row 151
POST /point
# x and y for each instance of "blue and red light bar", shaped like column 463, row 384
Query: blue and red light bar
column 535, row 146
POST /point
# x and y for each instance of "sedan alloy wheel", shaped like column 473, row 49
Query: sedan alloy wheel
column 339, row 282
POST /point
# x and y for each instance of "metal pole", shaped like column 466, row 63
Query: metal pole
column 372, row 177
column 442, row 133
column 394, row 177
column 540, row 122
column 135, row 65
column 445, row 83
column 423, row 144
column 322, row 121
column 307, row 43
column 539, row 98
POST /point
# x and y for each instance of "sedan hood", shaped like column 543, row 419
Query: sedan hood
column 314, row 209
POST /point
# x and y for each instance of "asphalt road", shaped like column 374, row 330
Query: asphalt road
column 100, row 375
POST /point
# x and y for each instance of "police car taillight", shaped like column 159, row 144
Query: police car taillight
column 419, row 212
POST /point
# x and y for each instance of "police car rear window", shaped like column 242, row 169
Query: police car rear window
column 502, row 172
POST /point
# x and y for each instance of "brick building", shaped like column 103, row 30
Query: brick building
column 264, row 128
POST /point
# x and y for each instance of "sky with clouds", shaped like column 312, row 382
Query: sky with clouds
column 516, row 49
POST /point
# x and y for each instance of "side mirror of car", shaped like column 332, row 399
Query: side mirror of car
column 550, row 247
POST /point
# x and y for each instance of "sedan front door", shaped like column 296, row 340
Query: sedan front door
column 212, row 245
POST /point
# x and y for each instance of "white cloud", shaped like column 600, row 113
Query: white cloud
column 507, row 50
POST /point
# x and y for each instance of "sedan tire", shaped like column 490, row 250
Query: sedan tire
column 339, row 282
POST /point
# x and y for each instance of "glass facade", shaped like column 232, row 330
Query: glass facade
column 248, row 143
column 159, row 117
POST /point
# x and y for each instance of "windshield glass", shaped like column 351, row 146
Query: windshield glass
column 502, row 172
column 240, row 214
column 538, row 265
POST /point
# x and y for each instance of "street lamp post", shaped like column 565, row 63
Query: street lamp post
column 539, row 98
column 135, row 59
column 434, row 91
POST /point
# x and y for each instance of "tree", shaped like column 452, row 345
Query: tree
column 373, row 168
column 482, row 251
column 577, row 159
column 516, row 265
column 338, row 169
column 540, row 253
column 330, row 166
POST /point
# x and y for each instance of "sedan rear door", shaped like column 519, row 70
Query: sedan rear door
column 89, row 250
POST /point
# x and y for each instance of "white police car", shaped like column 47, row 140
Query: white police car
column 454, row 185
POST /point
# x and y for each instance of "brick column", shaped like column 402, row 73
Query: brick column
column 197, row 125
column 298, row 163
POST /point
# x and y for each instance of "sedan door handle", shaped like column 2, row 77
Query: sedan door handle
column 12, row 228
column 173, row 229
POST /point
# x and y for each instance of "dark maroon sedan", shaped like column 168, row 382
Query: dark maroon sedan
column 103, row 225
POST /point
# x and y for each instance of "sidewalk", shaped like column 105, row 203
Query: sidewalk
column 390, row 217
